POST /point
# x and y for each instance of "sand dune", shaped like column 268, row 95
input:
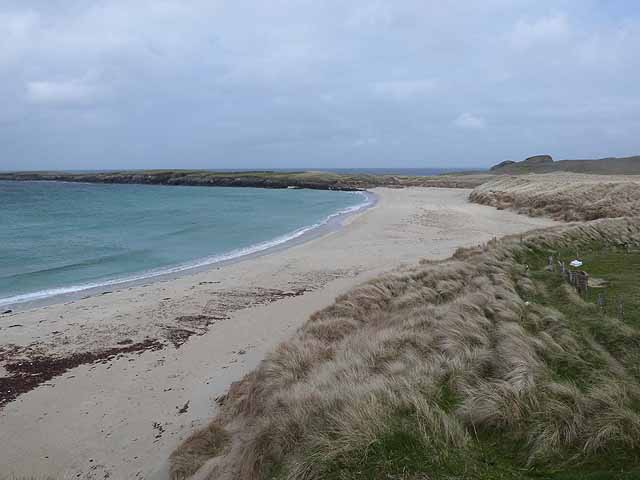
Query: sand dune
column 563, row 196
column 430, row 366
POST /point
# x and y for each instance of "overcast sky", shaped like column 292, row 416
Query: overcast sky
column 88, row 84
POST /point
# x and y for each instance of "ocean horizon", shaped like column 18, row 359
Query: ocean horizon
column 61, row 238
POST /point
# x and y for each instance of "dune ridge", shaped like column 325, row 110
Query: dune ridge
column 563, row 196
column 447, row 354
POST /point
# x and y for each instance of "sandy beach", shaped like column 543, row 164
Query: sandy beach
column 134, row 371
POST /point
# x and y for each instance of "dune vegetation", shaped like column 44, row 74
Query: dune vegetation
column 484, row 366
column 262, row 179
column 563, row 196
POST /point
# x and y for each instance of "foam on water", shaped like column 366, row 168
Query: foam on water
column 235, row 254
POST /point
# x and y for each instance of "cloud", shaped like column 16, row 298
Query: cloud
column 16, row 29
column 187, row 83
column 63, row 93
column 470, row 121
column 545, row 30
column 365, row 142
column 404, row 89
column 374, row 14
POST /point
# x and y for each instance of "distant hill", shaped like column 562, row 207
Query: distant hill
column 258, row 179
column 546, row 164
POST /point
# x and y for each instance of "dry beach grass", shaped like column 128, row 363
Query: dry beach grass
column 420, row 371
column 563, row 196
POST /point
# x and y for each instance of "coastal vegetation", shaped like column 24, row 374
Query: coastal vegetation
column 488, row 365
column 262, row 179
column 546, row 164
column 563, row 196
column 326, row 180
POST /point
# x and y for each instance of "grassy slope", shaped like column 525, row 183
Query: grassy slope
column 475, row 367
column 563, row 196
column 604, row 166
column 402, row 453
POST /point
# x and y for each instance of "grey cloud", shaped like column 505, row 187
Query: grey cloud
column 469, row 120
column 162, row 83
column 81, row 91
column 404, row 89
column 547, row 30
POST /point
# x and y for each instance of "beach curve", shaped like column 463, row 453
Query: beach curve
column 331, row 221
column 123, row 415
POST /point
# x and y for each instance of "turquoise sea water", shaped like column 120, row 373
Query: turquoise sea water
column 58, row 238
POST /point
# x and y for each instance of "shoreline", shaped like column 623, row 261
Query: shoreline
column 123, row 414
column 304, row 234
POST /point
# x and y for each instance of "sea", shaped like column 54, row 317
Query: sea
column 60, row 238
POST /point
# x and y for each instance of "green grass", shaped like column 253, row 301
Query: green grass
column 402, row 454
column 618, row 268
column 621, row 272
column 266, row 179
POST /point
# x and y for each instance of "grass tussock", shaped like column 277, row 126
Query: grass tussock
column 563, row 196
column 481, row 366
column 197, row 449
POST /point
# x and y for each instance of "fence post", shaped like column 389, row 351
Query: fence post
column 550, row 264
column 600, row 301
column 582, row 282
column 621, row 308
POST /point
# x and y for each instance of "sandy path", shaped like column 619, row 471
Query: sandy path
column 122, row 417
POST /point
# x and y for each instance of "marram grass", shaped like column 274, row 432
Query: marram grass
column 483, row 366
column 563, row 196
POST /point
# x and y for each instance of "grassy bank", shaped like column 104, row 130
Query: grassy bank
column 602, row 166
column 563, row 196
column 483, row 366
column 259, row 179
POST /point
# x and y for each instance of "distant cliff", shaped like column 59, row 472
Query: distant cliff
column 546, row 164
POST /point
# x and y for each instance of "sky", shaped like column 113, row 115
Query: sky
column 109, row 84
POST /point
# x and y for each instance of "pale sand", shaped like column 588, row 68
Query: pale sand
column 122, row 418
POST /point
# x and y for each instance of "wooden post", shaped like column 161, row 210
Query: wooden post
column 621, row 308
column 581, row 282
column 550, row 265
column 600, row 300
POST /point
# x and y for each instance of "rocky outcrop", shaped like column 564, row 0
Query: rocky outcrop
column 501, row 165
column 532, row 164
column 538, row 160
column 546, row 164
